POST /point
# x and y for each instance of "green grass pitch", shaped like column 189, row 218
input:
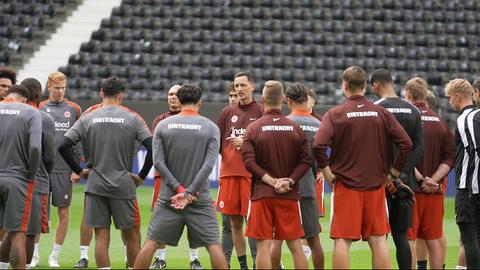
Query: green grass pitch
column 177, row 257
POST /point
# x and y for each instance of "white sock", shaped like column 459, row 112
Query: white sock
column 307, row 251
column 126, row 259
column 27, row 266
column 3, row 265
column 106, row 268
column 161, row 253
column 84, row 252
column 56, row 250
column 35, row 250
column 193, row 254
column 460, row 267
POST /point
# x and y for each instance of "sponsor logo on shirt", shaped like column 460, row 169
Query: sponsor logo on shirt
column 362, row 114
column 108, row 120
column 276, row 119
column 309, row 128
column 277, row 128
column 185, row 126
column 430, row 118
column 253, row 119
column 237, row 131
column 67, row 114
column 399, row 110
column 234, row 119
column 62, row 126
column 361, row 105
column 9, row 112
column 48, row 109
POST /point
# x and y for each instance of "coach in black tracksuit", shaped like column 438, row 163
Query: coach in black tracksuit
column 409, row 117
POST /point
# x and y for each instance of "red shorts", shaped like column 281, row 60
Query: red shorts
column 320, row 191
column 358, row 214
column 234, row 195
column 156, row 188
column 427, row 217
column 274, row 218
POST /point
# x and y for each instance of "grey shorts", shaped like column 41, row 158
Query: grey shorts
column 166, row 225
column 15, row 204
column 310, row 223
column 61, row 188
column 100, row 210
column 38, row 222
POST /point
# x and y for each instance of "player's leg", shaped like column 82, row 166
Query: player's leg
column 102, row 243
column 435, row 252
column 86, row 235
column 145, row 255
column 126, row 216
column 160, row 261
column 217, row 258
column 431, row 228
column 2, row 234
column 318, row 256
column 299, row 259
column 400, row 220
column 36, row 255
column 461, row 261
column 468, row 230
column 5, row 249
column 132, row 241
column 421, row 253
column 276, row 253
column 263, row 260
column 311, row 227
column 236, row 223
column 341, row 251
column 380, row 253
column 227, row 242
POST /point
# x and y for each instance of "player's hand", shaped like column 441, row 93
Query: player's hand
column 179, row 201
column 236, row 141
column 434, row 186
column 282, row 185
column 84, row 174
column 404, row 194
column 74, row 178
column 136, row 179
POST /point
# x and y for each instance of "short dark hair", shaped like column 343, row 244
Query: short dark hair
column 476, row 84
column 250, row 76
column 189, row 94
column 18, row 89
column 9, row 74
column 231, row 87
column 113, row 86
column 381, row 76
column 34, row 88
column 297, row 92
column 355, row 77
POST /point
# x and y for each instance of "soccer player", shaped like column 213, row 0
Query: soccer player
column 297, row 100
column 438, row 158
column 65, row 113
column 460, row 93
column 108, row 135
column 235, row 180
column 185, row 150
column 276, row 152
column 365, row 131
column 8, row 78
column 400, row 217
column 21, row 146
column 174, row 107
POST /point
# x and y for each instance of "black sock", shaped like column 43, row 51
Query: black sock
column 422, row 264
column 243, row 261
column 468, row 234
column 404, row 255
column 443, row 266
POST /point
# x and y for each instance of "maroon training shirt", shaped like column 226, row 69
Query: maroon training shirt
column 275, row 145
column 360, row 135
column 439, row 142
column 161, row 117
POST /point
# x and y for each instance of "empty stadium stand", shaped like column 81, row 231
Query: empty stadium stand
column 26, row 24
column 155, row 43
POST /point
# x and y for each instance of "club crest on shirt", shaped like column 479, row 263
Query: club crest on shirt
column 234, row 119
column 67, row 114
column 221, row 204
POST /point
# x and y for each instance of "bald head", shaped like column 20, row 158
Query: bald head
column 172, row 99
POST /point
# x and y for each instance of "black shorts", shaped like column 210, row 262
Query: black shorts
column 467, row 207
column 399, row 217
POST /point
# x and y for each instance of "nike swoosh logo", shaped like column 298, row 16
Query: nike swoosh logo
column 424, row 111
column 253, row 119
column 276, row 119
column 361, row 105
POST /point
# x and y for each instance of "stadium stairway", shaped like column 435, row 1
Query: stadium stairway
column 67, row 39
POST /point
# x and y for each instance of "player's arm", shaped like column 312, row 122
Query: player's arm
column 417, row 151
column 148, row 163
column 449, row 154
column 221, row 127
column 321, row 142
column 208, row 164
column 72, row 137
column 404, row 145
column 35, row 144
column 248, row 155
column 48, row 144
column 304, row 160
column 160, row 163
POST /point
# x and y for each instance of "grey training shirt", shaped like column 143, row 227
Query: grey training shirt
column 108, row 135
column 309, row 125
column 42, row 184
column 20, row 140
column 185, row 148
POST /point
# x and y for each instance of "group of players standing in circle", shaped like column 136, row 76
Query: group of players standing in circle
column 271, row 174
